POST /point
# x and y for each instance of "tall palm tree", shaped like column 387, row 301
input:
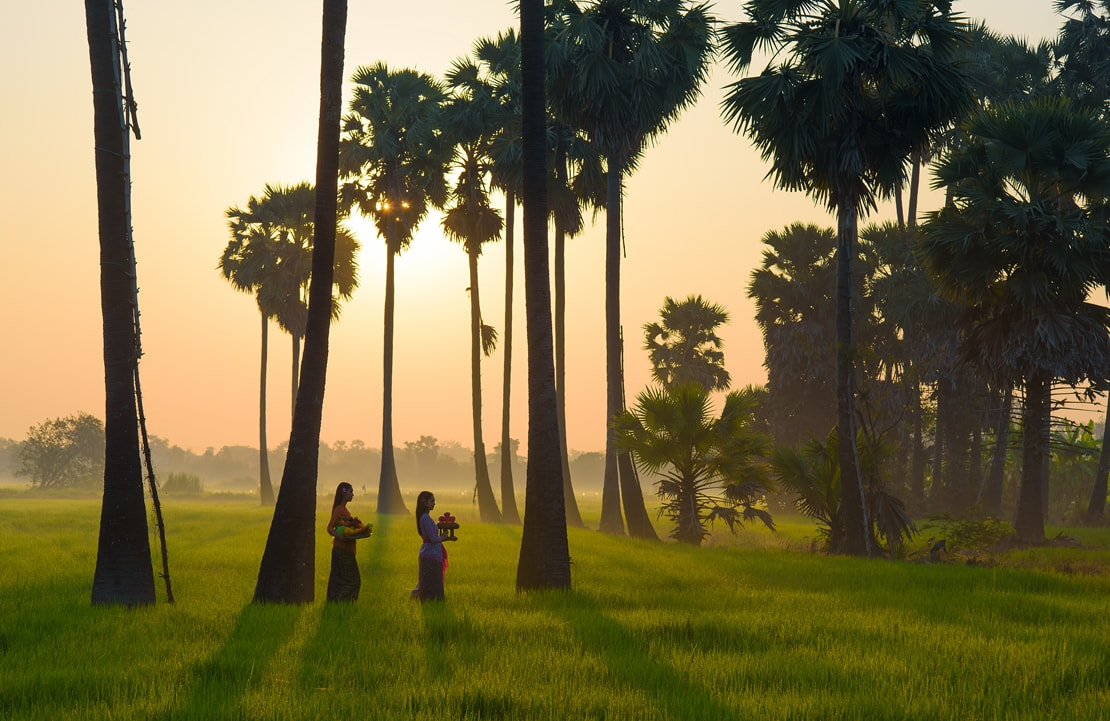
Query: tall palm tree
column 861, row 85
column 1022, row 246
column 394, row 159
column 270, row 255
column 287, row 571
column 124, row 574
column 683, row 346
column 622, row 70
column 472, row 221
column 794, row 290
column 498, row 60
column 544, row 560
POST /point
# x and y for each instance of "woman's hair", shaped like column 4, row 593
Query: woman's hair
column 341, row 492
column 422, row 506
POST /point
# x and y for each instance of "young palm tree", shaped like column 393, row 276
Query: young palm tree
column 861, row 85
column 394, row 157
column 684, row 347
column 1021, row 247
column 544, row 560
column 622, row 70
column 712, row 468
column 124, row 574
column 472, row 221
column 287, row 571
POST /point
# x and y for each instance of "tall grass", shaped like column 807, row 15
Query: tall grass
column 749, row 629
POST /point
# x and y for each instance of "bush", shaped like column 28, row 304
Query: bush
column 182, row 483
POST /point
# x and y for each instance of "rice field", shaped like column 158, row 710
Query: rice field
column 747, row 628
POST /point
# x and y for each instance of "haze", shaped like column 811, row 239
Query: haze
column 228, row 96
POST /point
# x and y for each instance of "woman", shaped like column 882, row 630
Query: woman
column 433, row 556
column 344, row 581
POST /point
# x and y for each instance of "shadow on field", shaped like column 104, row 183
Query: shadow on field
column 239, row 665
column 630, row 662
column 440, row 627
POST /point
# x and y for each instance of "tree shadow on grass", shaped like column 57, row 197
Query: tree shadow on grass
column 440, row 630
column 239, row 666
column 629, row 660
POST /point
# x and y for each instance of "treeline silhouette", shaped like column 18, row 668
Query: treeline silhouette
column 425, row 462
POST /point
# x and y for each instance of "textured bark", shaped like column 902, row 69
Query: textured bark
column 124, row 573
column 853, row 508
column 287, row 572
column 544, row 554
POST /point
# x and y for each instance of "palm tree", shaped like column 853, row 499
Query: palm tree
column 794, row 290
column 124, row 574
column 711, row 468
column 270, row 255
column 1021, row 246
column 499, row 62
column 622, row 70
column 472, row 222
column 862, row 86
column 394, row 157
column 684, row 346
column 287, row 571
column 544, row 560
column 286, row 213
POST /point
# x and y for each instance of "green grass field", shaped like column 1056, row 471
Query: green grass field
column 755, row 627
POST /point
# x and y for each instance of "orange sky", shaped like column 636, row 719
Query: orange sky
column 228, row 96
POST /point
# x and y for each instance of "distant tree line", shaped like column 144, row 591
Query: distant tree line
column 68, row 453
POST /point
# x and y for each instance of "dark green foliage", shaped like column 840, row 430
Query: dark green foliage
column 710, row 469
column 182, row 483
column 972, row 531
column 63, row 453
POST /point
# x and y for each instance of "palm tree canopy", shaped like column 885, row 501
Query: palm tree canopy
column 864, row 83
column 270, row 254
column 393, row 153
column 623, row 69
column 1024, row 243
column 684, row 346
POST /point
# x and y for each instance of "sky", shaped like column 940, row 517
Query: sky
column 228, row 99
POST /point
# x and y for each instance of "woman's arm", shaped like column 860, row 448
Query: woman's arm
column 428, row 530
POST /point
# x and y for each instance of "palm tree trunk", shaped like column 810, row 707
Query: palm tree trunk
column 917, row 457
column 295, row 374
column 853, row 507
column 574, row 517
column 509, row 512
column 390, row 499
column 992, row 495
column 487, row 504
column 265, row 487
column 287, row 572
column 124, row 573
column 611, row 520
column 639, row 523
column 1029, row 523
column 544, row 553
column 1096, row 509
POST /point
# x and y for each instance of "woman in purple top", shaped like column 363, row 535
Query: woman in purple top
column 433, row 556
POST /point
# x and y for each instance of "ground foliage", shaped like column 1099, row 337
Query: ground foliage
column 738, row 629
